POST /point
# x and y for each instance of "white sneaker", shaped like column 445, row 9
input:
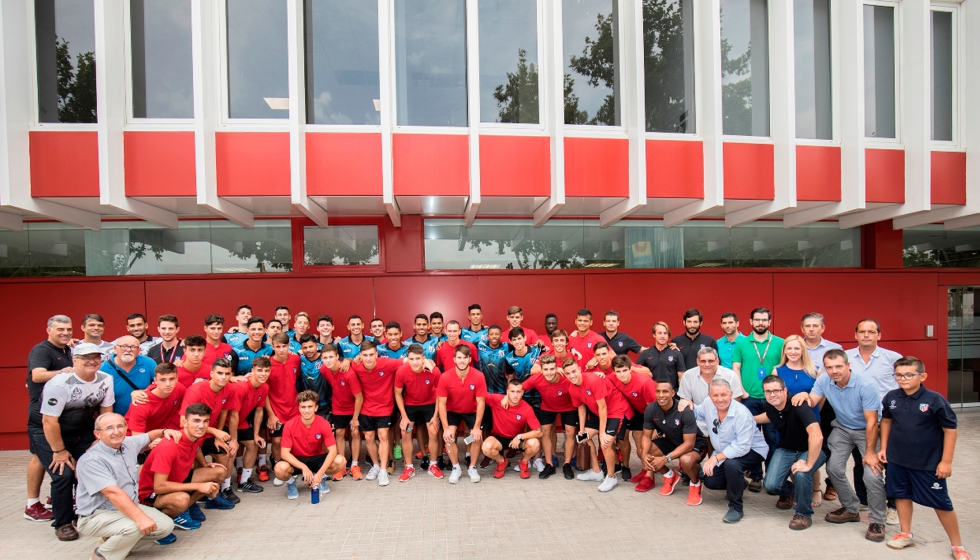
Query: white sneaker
column 455, row 474
column 538, row 465
column 277, row 482
column 373, row 473
column 382, row 478
column 891, row 518
column 517, row 467
column 474, row 474
column 591, row 476
column 608, row 484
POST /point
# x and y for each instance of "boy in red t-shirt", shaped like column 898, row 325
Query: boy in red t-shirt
column 415, row 395
column 556, row 400
column 308, row 445
column 162, row 407
column 246, row 407
column 460, row 400
column 345, row 405
column 514, row 427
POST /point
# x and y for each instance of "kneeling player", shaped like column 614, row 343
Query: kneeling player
column 309, row 446
column 680, row 439
column 515, row 426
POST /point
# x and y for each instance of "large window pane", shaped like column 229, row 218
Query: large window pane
column 668, row 50
column 65, row 33
column 163, row 77
column 340, row 245
column 814, row 108
column 935, row 246
column 591, row 51
column 942, row 76
column 879, row 72
column 745, row 67
column 430, row 58
column 342, row 62
column 509, row 61
column 258, row 71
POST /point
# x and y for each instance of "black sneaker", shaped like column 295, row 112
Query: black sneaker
column 620, row 467
column 626, row 472
column 442, row 463
column 250, row 487
column 548, row 471
column 568, row 472
column 229, row 495
column 424, row 463
column 755, row 486
column 685, row 480
column 485, row 463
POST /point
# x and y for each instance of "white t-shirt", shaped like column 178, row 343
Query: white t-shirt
column 67, row 391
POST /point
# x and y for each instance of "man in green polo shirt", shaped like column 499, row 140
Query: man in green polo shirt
column 754, row 357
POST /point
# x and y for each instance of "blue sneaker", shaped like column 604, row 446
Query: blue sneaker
column 324, row 489
column 291, row 492
column 169, row 539
column 733, row 516
column 184, row 521
column 196, row 514
column 218, row 502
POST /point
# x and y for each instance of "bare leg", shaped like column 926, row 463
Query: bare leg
column 952, row 526
column 35, row 477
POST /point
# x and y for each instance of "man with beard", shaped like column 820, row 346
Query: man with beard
column 693, row 339
column 136, row 325
column 129, row 371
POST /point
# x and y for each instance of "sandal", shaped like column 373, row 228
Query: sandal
column 830, row 495
column 816, row 501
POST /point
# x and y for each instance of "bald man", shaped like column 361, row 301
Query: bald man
column 130, row 371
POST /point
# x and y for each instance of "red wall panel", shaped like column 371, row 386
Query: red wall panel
column 343, row 164
column 13, row 400
column 431, row 164
column 818, row 173
column 675, row 169
column 402, row 298
column 160, row 164
column 64, row 163
column 948, row 178
column 515, row 166
column 252, row 163
column 597, row 167
column 884, row 173
column 404, row 247
column 749, row 171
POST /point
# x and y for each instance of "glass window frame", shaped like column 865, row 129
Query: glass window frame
column 738, row 138
column 957, row 89
column 897, row 6
column 130, row 118
column 699, row 55
column 299, row 249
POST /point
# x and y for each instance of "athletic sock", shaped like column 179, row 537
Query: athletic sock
column 226, row 484
column 292, row 480
column 262, row 460
column 32, row 501
column 695, row 485
column 246, row 474
column 239, row 462
column 670, row 473
column 353, row 464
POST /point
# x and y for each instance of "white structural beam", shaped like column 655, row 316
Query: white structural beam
column 473, row 107
column 386, row 52
column 707, row 49
column 552, row 105
column 16, row 117
column 782, row 121
column 296, row 54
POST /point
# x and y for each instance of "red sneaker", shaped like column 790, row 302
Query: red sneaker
column 694, row 495
column 37, row 512
column 638, row 477
column 669, row 482
column 264, row 473
column 434, row 470
column 408, row 473
column 339, row 475
column 501, row 468
column 355, row 473
column 525, row 472
column 645, row 485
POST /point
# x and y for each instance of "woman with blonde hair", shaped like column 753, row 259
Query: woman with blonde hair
column 799, row 372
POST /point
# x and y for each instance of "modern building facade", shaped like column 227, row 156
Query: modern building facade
column 398, row 156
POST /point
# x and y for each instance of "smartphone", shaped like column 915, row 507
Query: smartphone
column 468, row 439
column 408, row 428
column 580, row 438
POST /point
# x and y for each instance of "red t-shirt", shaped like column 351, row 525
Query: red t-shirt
column 639, row 392
column 592, row 389
column 461, row 394
column 514, row 420
column 245, row 398
column 445, row 355
column 345, row 385
column 211, row 354
column 417, row 388
column 378, row 386
column 307, row 442
column 202, row 393
column 172, row 459
column 157, row 413
column 530, row 337
column 187, row 378
column 282, row 388
column 555, row 397
column 585, row 346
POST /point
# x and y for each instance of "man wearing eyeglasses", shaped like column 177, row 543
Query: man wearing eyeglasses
column 129, row 370
column 738, row 445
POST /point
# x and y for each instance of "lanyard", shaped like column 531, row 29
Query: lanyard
column 762, row 357
column 173, row 353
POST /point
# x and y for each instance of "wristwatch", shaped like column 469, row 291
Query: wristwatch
column 520, row 438
column 668, row 458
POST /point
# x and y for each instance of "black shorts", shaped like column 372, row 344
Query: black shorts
column 457, row 419
column 341, row 421
column 922, row 487
column 617, row 427
column 323, row 413
column 209, row 448
column 420, row 414
column 506, row 441
column 700, row 446
column 247, row 434
column 636, row 422
column 546, row 417
column 373, row 423
column 314, row 463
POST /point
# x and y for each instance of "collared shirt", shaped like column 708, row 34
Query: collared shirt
column 690, row 348
column 758, row 359
column 734, row 436
column 475, row 338
column 663, row 364
column 916, row 438
column 101, row 467
column 817, row 352
column 141, row 375
column 695, row 389
column 880, row 368
column 850, row 401
column 150, row 342
column 622, row 343
column 726, row 348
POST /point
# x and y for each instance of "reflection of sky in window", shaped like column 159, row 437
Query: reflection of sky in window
column 505, row 27
column 74, row 21
column 579, row 18
column 168, row 66
column 257, row 58
column 736, row 26
column 805, row 69
column 342, row 64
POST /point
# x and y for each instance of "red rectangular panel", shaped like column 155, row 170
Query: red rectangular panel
column 818, row 173
column 749, row 171
column 64, row 163
column 402, row 298
column 431, row 164
column 404, row 246
column 597, row 167
column 675, row 169
column 160, row 164
column 948, row 178
column 13, row 398
column 343, row 164
column 515, row 166
column 252, row 163
column 884, row 175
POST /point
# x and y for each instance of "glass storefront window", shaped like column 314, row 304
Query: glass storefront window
column 943, row 95
column 590, row 36
column 340, row 245
column 258, row 70
column 668, row 51
column 745, row 67
column 879, row 71
column 509, row 61
column 342, row 76
column 162, row 72
column 65, row 43
column 814, row 106
column 935, row 246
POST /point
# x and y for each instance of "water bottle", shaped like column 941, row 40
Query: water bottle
column 315, row 495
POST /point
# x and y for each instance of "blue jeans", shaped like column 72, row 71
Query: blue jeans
column 777, row 478
column 768, row 432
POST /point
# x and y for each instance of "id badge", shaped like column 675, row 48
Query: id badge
column 762, row 373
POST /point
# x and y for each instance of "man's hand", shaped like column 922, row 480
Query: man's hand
column 871, row 460
column 709, row 465
column 308, row 475
column 649, row 462
column 315, row 483
column 404, row 423
column 355, row 423
column 233, row 446
column 658, row 463
column 799, row 467
column 271, row 422
column 179, row 362
column 684, row 404
column 260, row 441
column 515, row 444
column 800, row 398
column 944, row 470
column 344, row 366
column 606, row 440
column 599, row 374
column 173, row 435
column 139, row 397
column 576, row 354
column 673, row 346
column 210, row 489
column 477, row 435
column 449, row 435
column 61, row 459
column 592, row 363
column 882, row 456
column 505, row 403
column 146, row 525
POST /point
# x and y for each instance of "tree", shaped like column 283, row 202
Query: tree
column 598, row 64
column 664, row 72
column 76, row 85
column 736, row 97
column 518, row 99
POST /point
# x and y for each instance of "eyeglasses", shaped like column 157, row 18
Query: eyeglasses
column 116, row 428
column 773, row 391
column 126, row 347
column 715, row 425
column 900, row 376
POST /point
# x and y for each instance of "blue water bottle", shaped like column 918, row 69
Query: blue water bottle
column 315, row 495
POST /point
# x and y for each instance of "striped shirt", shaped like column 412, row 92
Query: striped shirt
column 101, row 467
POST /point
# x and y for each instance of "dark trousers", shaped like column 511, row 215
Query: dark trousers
column 730, row 476
column 768, row 431
column 62, row 485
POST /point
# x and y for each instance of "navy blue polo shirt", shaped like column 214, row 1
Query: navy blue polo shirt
column 915, row 440
column 622, row 343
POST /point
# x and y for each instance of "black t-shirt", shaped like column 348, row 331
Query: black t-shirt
column 791, row 423
column 159, row 354
column 622, row 343
column 663, row 365
column 689, row 348
column 916, row 438
column 671, row 423
column 49, row 357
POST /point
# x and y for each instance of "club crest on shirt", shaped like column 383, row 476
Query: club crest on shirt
column 670, row 358
column 224, row 400
column 518, row 416
column 923, row 407
column 702, row 346
column 620, row 344
column 472, row 387
column 560, row 392
column 317, row 436
column 635, row 394
column 677, row 421
column 588, row 392
column 342, row 383
column 175, row 402
column 381, row 374
column 588, row 345
column 892, row 405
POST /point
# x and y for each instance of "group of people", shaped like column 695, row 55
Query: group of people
column 152, row 429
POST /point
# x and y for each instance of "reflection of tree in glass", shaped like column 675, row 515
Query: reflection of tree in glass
column 533, row 254
column 663, row 43
column 337, row 252
column 76, row 86
column 945, row 258
column 518, row 99
column 597, row 63
column 736, row 97
column 697, row 254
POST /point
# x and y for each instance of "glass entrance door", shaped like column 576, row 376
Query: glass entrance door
column 964, row 347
